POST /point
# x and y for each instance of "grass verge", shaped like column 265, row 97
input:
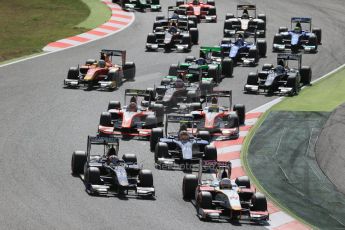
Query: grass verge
column 100, row 13
column 325, row 95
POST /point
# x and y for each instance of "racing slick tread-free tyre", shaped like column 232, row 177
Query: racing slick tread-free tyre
column 283, row 29
column 278, row 39
column 105, row 119
column 114, row 105
column 77, row 162
column 233, row 120
column 194, row 35
column 243, row 181
column 267, row 66
column 292, row 82
column 318, row 33
column 189, row 59
column 211, row 2
column 130, row 158
column 213, row 73
column 156, row 134
column 161, row 150
column 151, row 38
column 262, row 17
column 262, row 46
column 159, row 111
column 195, row 106
column 241, row 112
column 204, row 200
column 192, row 96
column 179, row 2
column 259, row 202
column 92, row 175
column 129, row 71
column 73, row 73
column 189, row 184
column 227, row 67
column 306, row 74
column 151, row 121
column 204, row 135
column 229, row 15
column 145, row 178
column 252, row 79
column 210, row 153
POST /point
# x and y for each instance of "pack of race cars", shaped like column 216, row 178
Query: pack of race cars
column 181, row 117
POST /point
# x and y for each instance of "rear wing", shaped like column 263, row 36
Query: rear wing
column 300, row 20
column 205, row 50
column 220, row 94
column 138, row 93
column 247, row 7
column 212, row 166
column 113, row 53
column 286, row 57
column 178, row 118
column 98, row 140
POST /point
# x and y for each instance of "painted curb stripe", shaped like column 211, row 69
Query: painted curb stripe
column 119, row 20
column 231, row 151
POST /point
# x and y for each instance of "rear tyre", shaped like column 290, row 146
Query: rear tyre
column 78, row 162
column 129, row 71
column 151, row 121
column 306, row 75
column 130, row 158
column 156, row 134
column 262, row 46
column 227, row 67
column 173, row 70
column 252, row 79
column 161, row 150
column 210, row 153
column 241, row 112
column 114, row 105
column 194, row 34
column 243, row 181
column 204, row 135
column 317, row 32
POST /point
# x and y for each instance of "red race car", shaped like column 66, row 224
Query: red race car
column 132, row 120
column 200, row 10
column 103, row 73
column 219, row 122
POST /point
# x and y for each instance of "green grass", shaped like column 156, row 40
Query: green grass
column 100, row 13
column 325, row 95
column 27, row 26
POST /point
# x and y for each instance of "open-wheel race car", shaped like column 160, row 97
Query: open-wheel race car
column 103, row 74
column 141, row 5
column 282, row 79
column 249, row 22
column 180, row 150
column 133, row 120
column 105, row 174
column 217, row 197
column 197, row 10
column 299, row 37
column 218, row 122
column 244, row 51
column 172, row 34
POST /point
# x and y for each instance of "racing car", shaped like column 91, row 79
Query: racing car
column 141, row 5
column 197, row 70
column 181, row 148
column 220, row 122
column 242, row 51
column 103, row 73
column 172, row 34
column 217, row 197
column 131, row 121
column 297, row 38
column 281, row 79
column 199, row 10
column 104, row 174
column 249, row 22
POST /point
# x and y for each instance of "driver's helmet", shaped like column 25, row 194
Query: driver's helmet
column 195, row 2
column 113, row 159
column 297, row 29
column 184, row 136
column 111, row 151
column 245, row 16
column 179, row 83
column 201, row 61
column 225, row 183
column 132, row 107
column 183, row 127
column 214, row 101
column 279, row 69
column 133, row 99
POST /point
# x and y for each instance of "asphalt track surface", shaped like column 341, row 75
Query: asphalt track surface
column 41, row 124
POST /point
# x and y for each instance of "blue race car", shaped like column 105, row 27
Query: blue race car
column 245, row 52
column 298, row 38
